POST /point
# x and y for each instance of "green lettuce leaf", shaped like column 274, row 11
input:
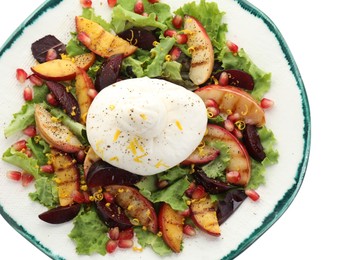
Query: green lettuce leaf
column 146, row 238
column 21, row 160
column 89, row 233
column 75, row 47
column 46, row 192
column 173, row 174
column 39, row 148
column 89, row 14
column 21, row 120
column 216, row 168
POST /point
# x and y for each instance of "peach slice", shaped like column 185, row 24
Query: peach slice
column 83, row 83
column 99, row 41
column 202, row 51
column 171, row 225
column 239, row 158
column 203, row 214
column 56, row 70
column 85, row 60
column 54, row 132
column 234, row 100
column 67, row 176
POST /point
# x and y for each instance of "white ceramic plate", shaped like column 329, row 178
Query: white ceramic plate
column 289, row 120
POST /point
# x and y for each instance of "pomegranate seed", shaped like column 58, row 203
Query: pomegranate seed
column 84, row 38
column 211, row 103
column 51, row 99
column 20, row 145
column 199, row 192
column 86, row 3
column 108, row 197
column 234, row 117
column 21, row 75
column 28, row 94
column 114, row 233
column 145, row 14
column 126, row 234
column 189, row 230
column 139, row 7
column 14, row 175
column 252, row 194
column 111, row 246
column 223, row 80
column 26, row 179
column 92, row 93
column 51, row 54
column 30, row 131
column 77, row 196
column 190, row 190
column 185, row 213
column 213, row 112
column 232, row 46
column 28, row 153
column 47, row 168
column 181, row 38
column 177, row 21
column 266, row 103
column 80, row 156
column 162, row 184
column 170, row 33
column 86, row 197
column 112, row 3
column 35, row 80
column 125, row 243
column 233, row 177
column 153, row 1
column 228, row 125
column 175, row 53
column 237, row 133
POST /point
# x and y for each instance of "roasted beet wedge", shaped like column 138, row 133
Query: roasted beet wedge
column 252, row 143
column 66, row 99
column 102, row 173
column 112, row 215
column 60, row 214
column 43, row 46
column 210, row 185
column 109, row 72
column 227, row 206
column 237, row 78
column 139, row 37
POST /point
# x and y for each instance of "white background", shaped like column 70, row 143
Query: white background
column 311, row 227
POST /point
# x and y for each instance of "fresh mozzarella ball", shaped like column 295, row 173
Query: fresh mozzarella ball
column 145, row 125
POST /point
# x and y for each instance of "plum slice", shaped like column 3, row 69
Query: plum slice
column 108, row 72
column 102, row 173
column 60, row 214
column 227, row 206
column 66, row 99
column 238, row 78
column 139, row 37
column 41, row 47
column 252, row 143
column 112, row 215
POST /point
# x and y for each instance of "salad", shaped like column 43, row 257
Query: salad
column 109, row 204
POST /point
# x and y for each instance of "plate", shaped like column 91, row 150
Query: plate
column 289, row 120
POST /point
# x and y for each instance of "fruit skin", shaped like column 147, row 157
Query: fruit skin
column 55, row 133
column 66, row 99
column 100, row 41
column 55, row 70
column 203, row 214
column 171, row 225
column 202, row 62
column 202, row 155
column 102, row 173
column 67, row 176
column 239, row 158
column 60, row 214
column 234, row 100
column 82, row 85
column 91, row 157
column 135, row 205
